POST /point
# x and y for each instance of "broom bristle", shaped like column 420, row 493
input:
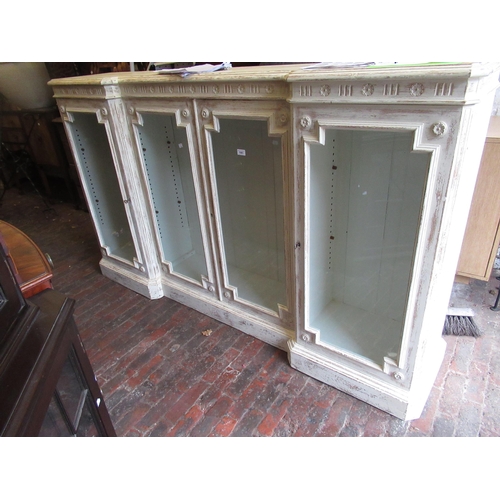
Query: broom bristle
column 460, row 325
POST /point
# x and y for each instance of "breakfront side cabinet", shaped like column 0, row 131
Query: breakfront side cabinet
column 319, row 210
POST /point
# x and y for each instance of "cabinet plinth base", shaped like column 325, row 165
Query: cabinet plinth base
column 274, row 335
column 151, row 289
column 405, row 404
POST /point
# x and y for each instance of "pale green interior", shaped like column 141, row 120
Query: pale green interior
column 249, row 176
column 105, row 198
column 366, row 194
column 166, row 158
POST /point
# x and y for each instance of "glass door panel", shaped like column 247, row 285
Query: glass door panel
column 103, row 190
column 366, row 191
column 249, row 174
column 167, row 162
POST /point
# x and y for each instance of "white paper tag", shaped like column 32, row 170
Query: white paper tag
column 241, row 152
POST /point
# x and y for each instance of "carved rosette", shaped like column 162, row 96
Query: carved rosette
column 325, row 90
column 139, row 266
column 283, row 117
column 392, row 369
column 185, row 113
column 367, row 89
column 102, row 115
column 417, row 89
column 64, row 114
column 305, row 122
column 210, row 121
column 439, row 128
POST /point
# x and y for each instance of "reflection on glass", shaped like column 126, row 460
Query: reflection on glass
column 55, row 423
column 248, row 168
column 70, row 409
column 71, row 391
column 366, row 191
column 87, row 427
column 105, row 198
column 166, row 159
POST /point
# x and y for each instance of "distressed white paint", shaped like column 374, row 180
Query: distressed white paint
column 403, row 215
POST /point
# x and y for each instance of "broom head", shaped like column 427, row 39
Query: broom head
column 460, row 322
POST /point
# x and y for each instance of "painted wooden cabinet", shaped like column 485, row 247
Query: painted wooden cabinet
column 321, row 211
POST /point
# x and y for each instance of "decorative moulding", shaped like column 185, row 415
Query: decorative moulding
column 441, row 91
column 203, row 90
column 254, row 90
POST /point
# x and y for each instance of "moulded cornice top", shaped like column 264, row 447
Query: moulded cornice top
column 429, row 83
column 396, row 71
column 292, row 73
column 246, row 73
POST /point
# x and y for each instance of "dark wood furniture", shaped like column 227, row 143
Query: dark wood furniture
column 37, row 133
column 47, row 385
column 31, row 267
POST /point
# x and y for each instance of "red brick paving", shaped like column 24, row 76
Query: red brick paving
column 161, row 377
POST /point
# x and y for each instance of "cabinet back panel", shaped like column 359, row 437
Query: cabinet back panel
column 165, row 153
column 366, row 193
column 104, row 194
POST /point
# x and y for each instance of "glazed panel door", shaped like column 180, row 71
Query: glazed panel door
column 166, row 142
column 246, row 151
column 107, row 195
column 372, row 184
column 366, row 190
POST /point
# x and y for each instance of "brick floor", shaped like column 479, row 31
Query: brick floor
column 161, row 377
